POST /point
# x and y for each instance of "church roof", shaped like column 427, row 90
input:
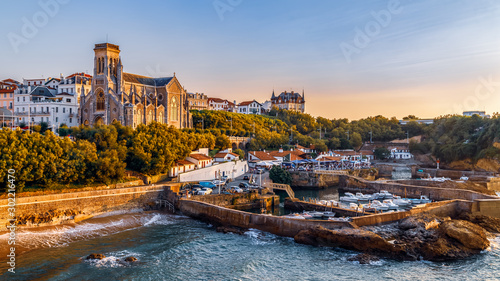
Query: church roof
column 139, row 79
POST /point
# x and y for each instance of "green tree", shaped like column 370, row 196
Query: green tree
column 222, row 142
column 279, row 175
column 240, row 152
column 382, row 153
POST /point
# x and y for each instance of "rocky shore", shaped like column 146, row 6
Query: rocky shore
column 414, row 238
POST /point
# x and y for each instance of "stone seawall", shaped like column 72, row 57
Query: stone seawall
column 453, row 174
column 353, row 184
column 277, row 225
column 75, row 206
column 312, row 180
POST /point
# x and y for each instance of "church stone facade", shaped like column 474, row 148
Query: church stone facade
column 129, row 98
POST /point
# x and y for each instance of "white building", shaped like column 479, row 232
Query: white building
column 250, row 107
column 400, row 153
column 226, row 156
column 34, row 82
column 36, row 104
column 220, row 104
column 76, row 84
column 476, row 112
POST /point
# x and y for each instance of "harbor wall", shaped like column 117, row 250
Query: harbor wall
column 76, row 206
column 281, row 226
column 453, row 174
column 487, row 207
column 353, row 184
column 313, row 180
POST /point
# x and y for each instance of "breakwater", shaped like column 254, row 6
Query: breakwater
column 354, row 184
column 76, row 206
column 281, row 226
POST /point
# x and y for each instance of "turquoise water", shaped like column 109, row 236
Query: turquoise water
column 172, row 247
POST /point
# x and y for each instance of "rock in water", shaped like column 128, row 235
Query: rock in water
column 96, row 257
column 351, row 239
column 363, row 258
column 130, row 259
column 468, row 234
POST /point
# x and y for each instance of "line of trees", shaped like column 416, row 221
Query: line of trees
column 98, row 154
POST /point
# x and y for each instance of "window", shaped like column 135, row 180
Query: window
column 70, row 120
column 47, row 109
column 174, row 109
column 57, row 109
column 17, row 99
column 100, row 101
column 57, row 119
column 64, row 109
column 4, row 96
column 24, row 99
column 71, row 110
column 160, row 117
column 10, row 105
column 68, row 100
column 11, row 95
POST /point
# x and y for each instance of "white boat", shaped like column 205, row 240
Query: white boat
column 464, row 178
column 379, row 206
column 403, row 203
column 306, row 215
column 362, row 197
column 422, row 200
column 316, row 215
column 386, row 194
column 349, row 197
column 333, row 203
column 328, row 214
column 342, row 219
column 390, row 204
column 294, row 216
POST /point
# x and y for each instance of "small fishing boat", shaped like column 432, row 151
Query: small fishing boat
column 328, row 215
column 363, row 197
column 342, row 219
column 349, row 197
column 402, row 203
column 316, row 215
column 379, row 206
column 390, row 204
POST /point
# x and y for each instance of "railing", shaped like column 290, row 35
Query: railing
column 331, row 172
column 284, row 187
column 166, row 204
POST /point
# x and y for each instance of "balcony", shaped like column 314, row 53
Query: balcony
column 32, row 114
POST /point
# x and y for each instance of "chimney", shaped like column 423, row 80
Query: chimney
column 281, row 149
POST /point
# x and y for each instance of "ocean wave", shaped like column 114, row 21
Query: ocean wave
column 63, row 235
column 260, row 238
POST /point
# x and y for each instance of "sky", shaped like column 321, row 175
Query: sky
column 353, row 59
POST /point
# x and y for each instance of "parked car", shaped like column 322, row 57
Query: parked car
column 235, row 189
column 195, row 190
column 246, row 178
column 205, row 191
column 244, row 185
column 207, row 184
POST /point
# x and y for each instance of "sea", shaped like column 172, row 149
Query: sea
column 176, row 247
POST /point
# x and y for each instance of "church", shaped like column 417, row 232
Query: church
column 129, row 98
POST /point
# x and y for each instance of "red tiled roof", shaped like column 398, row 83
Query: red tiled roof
column 262, row 155
column 216, row 100
column 199, row 156
column 184, row 163
column 223, row 154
